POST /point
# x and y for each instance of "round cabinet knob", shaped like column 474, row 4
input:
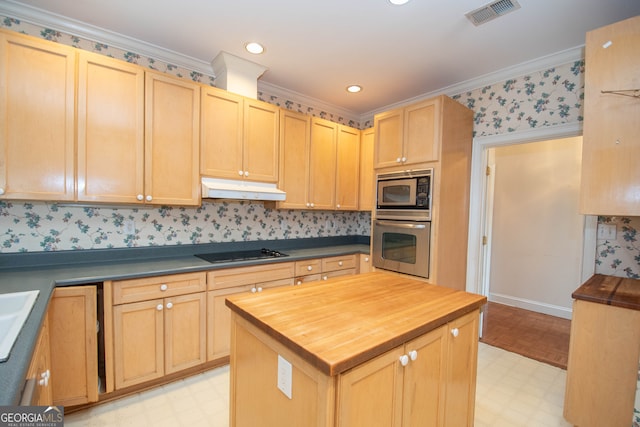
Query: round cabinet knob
column 1, row 191
column 398, row 160
column 240, row 173
column 246, row 173
column 325, row 278
column 149, row 198
column 308, row 204
column 404, row 159
column 169, row 305
column 259, row 289
column 254, row 290
column 312, row 204
column 413, row 355
column 163, row 287
column 338, row 206
column 404, row 360
column 299, row 282
column 140, row 197
column 309, row 268
column 159, row 307
column 340, row 263
column 366, row 259
column 455, row 332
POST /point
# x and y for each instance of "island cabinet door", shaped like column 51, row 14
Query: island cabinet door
column 370, row 395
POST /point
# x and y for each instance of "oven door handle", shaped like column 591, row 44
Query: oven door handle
column 401, row 224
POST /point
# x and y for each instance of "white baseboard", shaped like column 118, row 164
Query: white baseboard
column 537, row 306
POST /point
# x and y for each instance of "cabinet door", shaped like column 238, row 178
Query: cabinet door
column 611, row 147
column 364, row 263
column 366, row 189
column 40, row 367
column 421, row 132
column 221, row 133
column 388, row 138
column 184, row 331
column 322, row 167
column 462, row 360
column 37, row 124
column 424, row 379
column 110, row 130
column 73, row 342
column 260, row 151
column 138, row 342
column 347, row 168
column 172, row 135
column 219, row 321
column 294, row 159
column 371, row 393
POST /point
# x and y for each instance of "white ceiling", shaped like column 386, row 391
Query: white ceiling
column 317, row 48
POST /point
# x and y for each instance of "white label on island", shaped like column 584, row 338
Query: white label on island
column 285, row 374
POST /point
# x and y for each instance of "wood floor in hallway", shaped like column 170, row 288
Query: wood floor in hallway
column 538, row 336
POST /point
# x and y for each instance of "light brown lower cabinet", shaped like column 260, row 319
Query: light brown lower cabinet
column 39, row 373
column 428, row 381
column 159, row 326
column 73, row 340
column 603, row 365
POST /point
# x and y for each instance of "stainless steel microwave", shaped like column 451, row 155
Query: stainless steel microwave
column 404, row 195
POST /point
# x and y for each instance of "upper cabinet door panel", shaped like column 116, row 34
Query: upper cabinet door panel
column 322, row 167
column 347, row 168
column 110, row 130
column 37, row 124
column 172, row 136
column 293, row 179
column 260, row 158
column 421, row 142
column 611, row 146
column 389, row 138
column 221, row 133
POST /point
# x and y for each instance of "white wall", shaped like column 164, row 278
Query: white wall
column 537, row 233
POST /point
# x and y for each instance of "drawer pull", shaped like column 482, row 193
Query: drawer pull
column 340, row 263
column 169, row 305
column 413, row 355
column 163, row 287
column 455, row 332
column 309, row 268
column 159, row 307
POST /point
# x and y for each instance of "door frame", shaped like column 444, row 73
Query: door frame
column 477, row 253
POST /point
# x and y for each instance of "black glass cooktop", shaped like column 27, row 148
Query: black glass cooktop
column 241, row 255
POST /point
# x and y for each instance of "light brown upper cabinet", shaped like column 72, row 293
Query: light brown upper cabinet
column 322, row 164
column 295, row 144
column 407, row 136
column 127, row 154
column 347, row 168
column 172, row 136
column 367, row 184
column 611, row 148
column 239, row 137
column 37, row 124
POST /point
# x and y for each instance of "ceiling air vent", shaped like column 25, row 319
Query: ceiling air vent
column 491, row 11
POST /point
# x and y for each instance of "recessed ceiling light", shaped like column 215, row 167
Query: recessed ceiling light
column 354, row 88
column 254, row 47
column 398, row 2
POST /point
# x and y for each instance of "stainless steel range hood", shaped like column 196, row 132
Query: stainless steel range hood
column 215, row 188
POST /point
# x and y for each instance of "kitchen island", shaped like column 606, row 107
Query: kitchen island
column 377, row 349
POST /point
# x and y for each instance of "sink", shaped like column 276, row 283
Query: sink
column 14, row 310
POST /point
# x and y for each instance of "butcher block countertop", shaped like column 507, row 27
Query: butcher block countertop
column 610, row 290
column 338, row 324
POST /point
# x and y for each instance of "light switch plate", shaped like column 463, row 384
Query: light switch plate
column 285, row 374
column 606, row 232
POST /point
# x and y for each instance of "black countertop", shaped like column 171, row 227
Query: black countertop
column 44, row 271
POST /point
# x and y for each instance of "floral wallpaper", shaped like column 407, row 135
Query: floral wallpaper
column 545, row 98
column 39, row 226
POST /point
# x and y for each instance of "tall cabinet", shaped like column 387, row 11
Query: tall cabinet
column 37, row 124
column 436, row 133
column 611, row 147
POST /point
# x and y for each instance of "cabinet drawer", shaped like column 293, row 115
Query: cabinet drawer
column 338, row 263
column 309, row 266
column 238, row 276
column 300, row 280
column 338, row 273
column 126, row 291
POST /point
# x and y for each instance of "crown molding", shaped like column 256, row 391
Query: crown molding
column 60, row 23
column 74, row 27
column 291, row 95
column 542, row 63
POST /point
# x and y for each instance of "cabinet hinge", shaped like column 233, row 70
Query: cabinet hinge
column 488, row 171
column 484, row 240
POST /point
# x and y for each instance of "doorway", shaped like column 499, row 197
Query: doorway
column 537, row 294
